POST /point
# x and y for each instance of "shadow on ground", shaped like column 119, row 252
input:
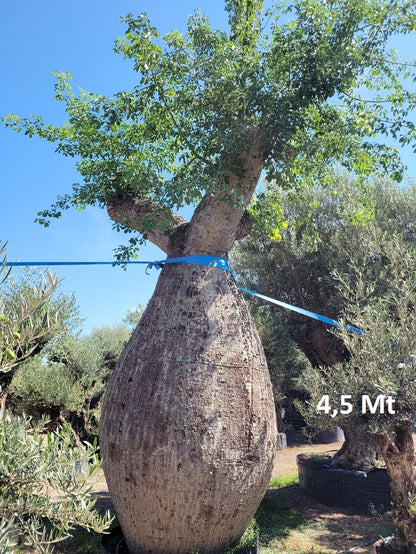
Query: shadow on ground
column 291, row 522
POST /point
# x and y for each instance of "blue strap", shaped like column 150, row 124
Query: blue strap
column 47, row 264
column 303, row 312
column 211, row 261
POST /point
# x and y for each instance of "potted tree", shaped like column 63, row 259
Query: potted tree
column 375, row 388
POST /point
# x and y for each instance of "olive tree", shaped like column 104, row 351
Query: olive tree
column 67, row 380
column 188, row 426
column 322, row 230
column 26, row 322
column 377, row 384
column 43, row 496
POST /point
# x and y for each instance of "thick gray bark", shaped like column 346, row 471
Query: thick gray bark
column 188, row 425
column 132, row 213
column 359, row 450
column 398, row 452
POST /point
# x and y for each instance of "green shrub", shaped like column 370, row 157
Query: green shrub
column 37, row 388
column 44, row 487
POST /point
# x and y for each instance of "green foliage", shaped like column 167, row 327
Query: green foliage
column 39, row 388
column 68, row 379
column 132, row 317
column 31, row 313
column 26, row 318
column 285, row 481
column 42, row 495
column 285, row 361
column 324, row 230
column 323, row 235
column 291, row 73
column 382, row 360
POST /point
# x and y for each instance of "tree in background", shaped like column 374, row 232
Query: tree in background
column 189, row 410
column 285, row 361
column 31, row 313
column 375, row 389
column 67, row 380
column 325, row 229
column 132, row 317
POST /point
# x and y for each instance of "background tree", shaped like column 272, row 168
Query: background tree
column 30, row 314
column 321, row 232
column 132, row 317
column 285, row 361
column 381, row 366
column 211, row 111
column 67, row 380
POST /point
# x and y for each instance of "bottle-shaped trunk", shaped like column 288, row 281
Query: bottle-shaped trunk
column 188, row 424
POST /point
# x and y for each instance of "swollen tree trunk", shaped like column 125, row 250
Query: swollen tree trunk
column 188, row 421
column 188, row 426
column 399, row 456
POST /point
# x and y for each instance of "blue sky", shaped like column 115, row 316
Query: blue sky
column 77, row 37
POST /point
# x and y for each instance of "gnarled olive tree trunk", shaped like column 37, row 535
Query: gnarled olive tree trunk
column 399, row 456
column 359, row 450
column 188, row 425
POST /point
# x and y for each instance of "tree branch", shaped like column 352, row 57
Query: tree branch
column 216, row 223
column 161, row 227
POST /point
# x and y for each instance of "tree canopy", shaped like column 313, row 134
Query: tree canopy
column 301, row 87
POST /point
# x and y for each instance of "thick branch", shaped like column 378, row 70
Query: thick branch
column 216, row 224
column 145, row 216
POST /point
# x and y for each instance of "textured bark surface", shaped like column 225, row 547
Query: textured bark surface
column 359, row 451
column 188, row 425
column 399, row 456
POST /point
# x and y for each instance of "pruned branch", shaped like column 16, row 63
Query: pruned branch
column 154, row 223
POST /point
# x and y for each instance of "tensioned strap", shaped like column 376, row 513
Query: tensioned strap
column 303, row 312
column 211, row 261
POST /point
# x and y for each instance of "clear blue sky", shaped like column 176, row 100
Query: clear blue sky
column 77, row 37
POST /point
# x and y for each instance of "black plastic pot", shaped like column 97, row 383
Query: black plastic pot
column 281, row 441
column 290, row 437
column 342, row 487
column 329, row 436
column 114, row 543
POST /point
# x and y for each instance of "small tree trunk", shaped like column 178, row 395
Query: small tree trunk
column 5, row 382
column 188, row 428
column 359, row 450
column 399, row 457
column 3, row 400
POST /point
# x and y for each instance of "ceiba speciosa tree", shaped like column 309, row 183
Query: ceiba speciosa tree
column 188, row 425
